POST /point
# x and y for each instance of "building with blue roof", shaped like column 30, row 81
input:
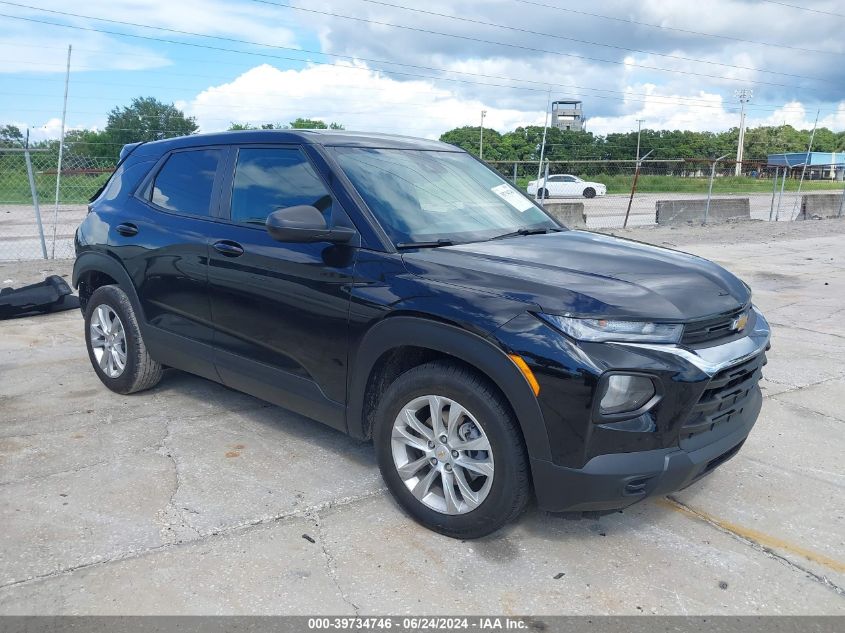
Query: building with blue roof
column 821, row 165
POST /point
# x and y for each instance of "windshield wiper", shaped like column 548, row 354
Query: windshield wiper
column 432, row 244
column 524, row 231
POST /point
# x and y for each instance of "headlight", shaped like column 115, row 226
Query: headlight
column 600, row 330
column 621, row 393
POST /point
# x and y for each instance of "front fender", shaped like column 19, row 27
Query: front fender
column 479, row 352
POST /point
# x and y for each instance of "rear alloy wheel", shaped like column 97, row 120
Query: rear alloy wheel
column 589, row 192
column 115, row 345
column 108, row 341
column 451, row 451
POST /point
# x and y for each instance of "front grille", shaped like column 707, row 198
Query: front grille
column 725, row 397
column 710, row 329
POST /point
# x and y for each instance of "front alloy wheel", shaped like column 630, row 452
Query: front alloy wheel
column 442, row 454
column 450, row 450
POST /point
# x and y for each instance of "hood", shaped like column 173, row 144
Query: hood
column 587, row 274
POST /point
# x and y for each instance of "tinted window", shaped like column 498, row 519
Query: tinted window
column 271, row 178
column 420, row 195
column 185, row 182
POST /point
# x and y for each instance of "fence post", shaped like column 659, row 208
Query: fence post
column 545, row 183
column 841, row 204
column 34, row 191
column 634, row 188
column 774, row 191
column 514, row 173
column 794, row 215
column 710, row 189
column 780, row 197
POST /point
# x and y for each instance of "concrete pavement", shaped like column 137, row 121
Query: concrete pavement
column 194, row 499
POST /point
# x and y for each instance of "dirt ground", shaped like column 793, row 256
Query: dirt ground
column 194, row 499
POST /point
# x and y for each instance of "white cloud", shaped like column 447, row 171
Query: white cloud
column 360, row 99
column 705, row 111
column 34, row 47
column 51, row 129
column 366, row 100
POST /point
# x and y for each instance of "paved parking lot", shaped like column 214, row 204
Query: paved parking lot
column 194, row 499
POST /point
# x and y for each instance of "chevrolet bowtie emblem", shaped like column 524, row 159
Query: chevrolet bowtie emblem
column 740, row 322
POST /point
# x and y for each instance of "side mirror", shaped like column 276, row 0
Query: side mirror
column 304, row 223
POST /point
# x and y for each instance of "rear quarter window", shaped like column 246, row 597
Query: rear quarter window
column 185, row 182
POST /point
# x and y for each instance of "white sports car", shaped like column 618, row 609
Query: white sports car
column 565, row 186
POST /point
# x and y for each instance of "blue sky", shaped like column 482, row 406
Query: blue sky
column 399, row 66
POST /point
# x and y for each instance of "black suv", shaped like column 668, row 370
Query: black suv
column 398, row 289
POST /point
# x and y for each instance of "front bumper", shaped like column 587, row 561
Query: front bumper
column 614, row 481
column 710, row 400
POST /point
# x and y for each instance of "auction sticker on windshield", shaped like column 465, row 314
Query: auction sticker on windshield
column 512, row 197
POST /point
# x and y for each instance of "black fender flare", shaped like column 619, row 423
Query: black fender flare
column 92, row 261
column 492, row 361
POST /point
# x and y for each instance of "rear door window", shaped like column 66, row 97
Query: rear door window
column 186, row 181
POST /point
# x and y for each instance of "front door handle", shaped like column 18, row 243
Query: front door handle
column 229, row 249
column 127, row 229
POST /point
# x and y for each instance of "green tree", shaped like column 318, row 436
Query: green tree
column 261, row 126
column 146, row 119
column 469, row 139
column 313, row 124
column 11, row 136
column 92, row 143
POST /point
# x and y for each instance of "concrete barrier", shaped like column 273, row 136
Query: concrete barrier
column 821, row 205
column 569, row 214
column 686, row 211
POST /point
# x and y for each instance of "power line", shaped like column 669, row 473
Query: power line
column 274, row 46
column 589, row 42
column 667, row 101
column 304, row 61
column 682, row 100
column 525, row 48
column 676, row 29
column 810, row 9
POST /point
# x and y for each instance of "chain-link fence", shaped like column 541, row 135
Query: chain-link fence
column 687, row 190
column 32, row 225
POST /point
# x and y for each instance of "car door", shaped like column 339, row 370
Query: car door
column 553, row 186
column 280, row 310
column 160, row 236
column 568, row 186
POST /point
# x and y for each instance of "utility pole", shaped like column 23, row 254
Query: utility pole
column 744, row 97
column 639, row 129
column 481, row 139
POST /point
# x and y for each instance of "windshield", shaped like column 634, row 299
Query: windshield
column 426, row 196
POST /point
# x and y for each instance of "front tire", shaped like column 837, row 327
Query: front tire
column 543, row 193
column 589, row 192
column 462, row 472
column 115, row 345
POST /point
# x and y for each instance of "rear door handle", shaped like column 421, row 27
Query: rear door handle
column 229, row 249
column 127, row 228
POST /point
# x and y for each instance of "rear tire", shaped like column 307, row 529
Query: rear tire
column 483, row 437
column 589, row 192
column 115, row 345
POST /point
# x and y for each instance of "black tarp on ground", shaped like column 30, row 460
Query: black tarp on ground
column 51, row 295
